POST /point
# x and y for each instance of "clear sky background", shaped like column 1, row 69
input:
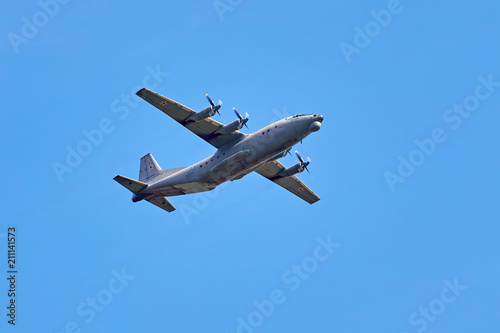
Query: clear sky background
column 414, row 249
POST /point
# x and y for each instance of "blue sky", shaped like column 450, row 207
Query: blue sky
column 404, row 239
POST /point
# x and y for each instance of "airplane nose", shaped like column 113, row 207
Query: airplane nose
column 315, row 126
column 320, row 118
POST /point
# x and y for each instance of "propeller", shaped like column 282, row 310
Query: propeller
column 243, row 121
column 303, row 163
column 214, row 107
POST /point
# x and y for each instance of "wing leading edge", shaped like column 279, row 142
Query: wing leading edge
column 204, row 128
column 292, row 183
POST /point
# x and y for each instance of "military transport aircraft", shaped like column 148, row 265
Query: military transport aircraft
column 237, row 154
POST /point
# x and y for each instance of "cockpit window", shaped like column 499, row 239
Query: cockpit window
column 295, row 116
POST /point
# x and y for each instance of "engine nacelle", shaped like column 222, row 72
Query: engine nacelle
column 294, row 169
column 200, row 115
column 229, row 128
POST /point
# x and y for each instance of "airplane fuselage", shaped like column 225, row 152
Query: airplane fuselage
column 234, row 160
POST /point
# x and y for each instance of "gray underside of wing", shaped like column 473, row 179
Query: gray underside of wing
column 292, row 183
column 204, row 128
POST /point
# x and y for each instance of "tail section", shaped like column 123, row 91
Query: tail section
column 149, row 169
column 147, row 174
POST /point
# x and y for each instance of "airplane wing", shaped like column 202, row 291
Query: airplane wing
column 203, row 128
column 292, row 183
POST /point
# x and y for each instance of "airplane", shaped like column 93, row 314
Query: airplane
column 237, row 154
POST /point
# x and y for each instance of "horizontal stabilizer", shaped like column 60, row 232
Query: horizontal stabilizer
column 132, row 185
column 163, row 203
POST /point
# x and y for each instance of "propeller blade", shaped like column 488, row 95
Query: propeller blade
column 298, row 156
column 246, row 119
column 237, row 114
column 303, row 163
column 214, row 107
column 308, row 160
column 210, row 100
column 243, row 121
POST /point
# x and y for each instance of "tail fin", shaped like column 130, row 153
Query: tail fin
column 149, row 169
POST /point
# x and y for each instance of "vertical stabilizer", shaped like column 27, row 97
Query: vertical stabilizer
column 149, row 169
